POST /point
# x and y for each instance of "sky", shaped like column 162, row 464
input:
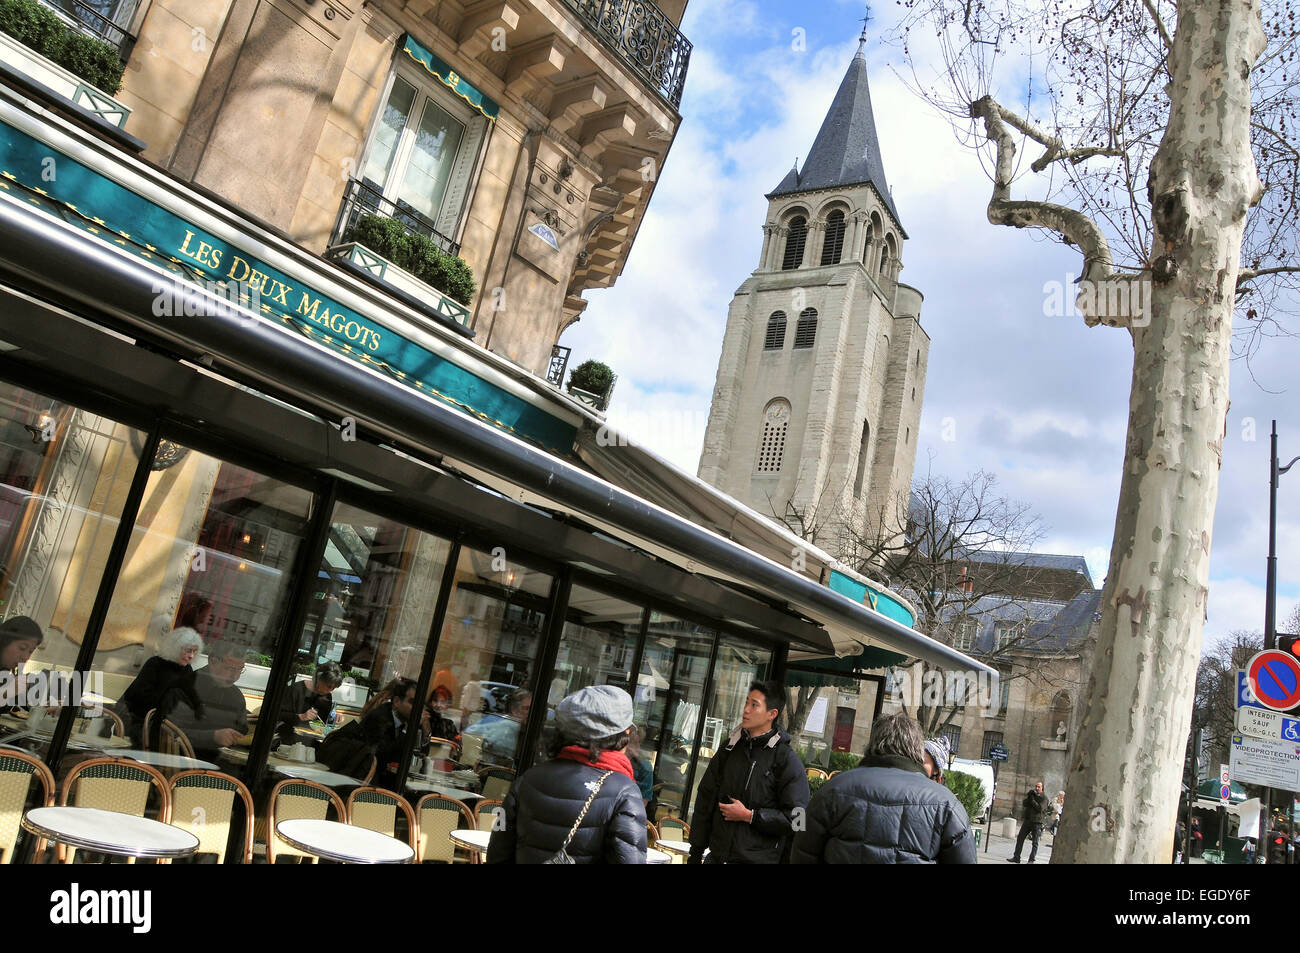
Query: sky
column 1041, row 402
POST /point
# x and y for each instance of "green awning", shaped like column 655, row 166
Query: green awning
column 847, row 669
column 450, row 78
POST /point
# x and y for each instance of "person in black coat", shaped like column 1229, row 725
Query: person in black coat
column 165, row 681
column 746, row 806
column 592, row 731
column 1031, row 822
column 383, row 729
column 887, row 810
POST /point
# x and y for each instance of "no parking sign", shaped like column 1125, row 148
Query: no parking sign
column 1274, row 679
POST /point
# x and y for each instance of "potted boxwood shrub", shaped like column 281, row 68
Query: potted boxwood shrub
column 591, row 382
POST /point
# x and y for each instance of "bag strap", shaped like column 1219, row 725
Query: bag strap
column 585, row 808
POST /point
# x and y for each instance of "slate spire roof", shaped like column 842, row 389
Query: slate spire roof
column 847, row 149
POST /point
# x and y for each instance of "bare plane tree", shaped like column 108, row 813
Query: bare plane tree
column 1152, row 122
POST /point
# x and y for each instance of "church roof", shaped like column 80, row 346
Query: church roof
column 847, row 149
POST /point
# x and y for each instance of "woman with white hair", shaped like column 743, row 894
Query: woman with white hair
column 165, row 680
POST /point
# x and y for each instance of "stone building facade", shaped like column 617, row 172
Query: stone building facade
column 527, row 134
column 822, row 375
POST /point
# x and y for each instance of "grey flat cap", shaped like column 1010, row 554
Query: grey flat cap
column 595, row 712
column 940, row 751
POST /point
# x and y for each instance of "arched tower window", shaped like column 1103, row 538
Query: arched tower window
column 887, row 257
column 794, row 244
column 833, row 248
column 866, row 246
column 805, row 332
column 862, row 460
column 771, row 446
column 775, row 339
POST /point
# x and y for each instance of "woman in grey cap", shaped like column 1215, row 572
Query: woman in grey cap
column 588, row 768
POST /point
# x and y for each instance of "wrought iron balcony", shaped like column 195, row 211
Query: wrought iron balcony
column 644, row 38
column 559, row 361
column 363, row 198
column 108, row 20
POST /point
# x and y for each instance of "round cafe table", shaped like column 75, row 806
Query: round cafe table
column 161, row 759
column 653, row 856
column 679, row 847
column 474, row 840
column 110, row 832
column 344, row 842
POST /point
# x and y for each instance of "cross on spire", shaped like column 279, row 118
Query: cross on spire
column 862, row 40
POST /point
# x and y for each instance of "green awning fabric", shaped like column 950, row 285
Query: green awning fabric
column 450, row 78
column 882, row 602
column 1209, row 788
column 817, row 671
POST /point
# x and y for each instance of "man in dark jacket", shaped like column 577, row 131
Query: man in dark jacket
column 588, row 765
column 1031, row 822
column 754, row 791
column 383, row 729
column 886, row 810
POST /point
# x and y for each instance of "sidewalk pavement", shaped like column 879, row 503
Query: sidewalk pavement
column 1001, row 848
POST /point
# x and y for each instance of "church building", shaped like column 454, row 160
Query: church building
column 819, row 389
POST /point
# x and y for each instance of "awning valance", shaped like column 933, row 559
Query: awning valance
column 450, row 78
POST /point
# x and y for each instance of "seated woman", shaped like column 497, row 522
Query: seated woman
column 310, row 701
column 440, row 699
column 20, row 636
column 165, row 681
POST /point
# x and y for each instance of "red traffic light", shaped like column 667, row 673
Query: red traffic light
column 1279, row 840
column 1289, row 644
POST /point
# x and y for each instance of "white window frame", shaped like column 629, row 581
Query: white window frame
column 463, row 180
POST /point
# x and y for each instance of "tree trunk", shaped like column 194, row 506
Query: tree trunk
column 1124, row 783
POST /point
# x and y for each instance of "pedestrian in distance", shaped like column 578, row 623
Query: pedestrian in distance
column 755, row 790
column 583, row 806
column 1033, row 810
column 887, row 810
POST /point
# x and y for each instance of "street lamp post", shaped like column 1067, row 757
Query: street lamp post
column 1270, row 614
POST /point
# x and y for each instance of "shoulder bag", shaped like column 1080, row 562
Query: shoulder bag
column 562, row 855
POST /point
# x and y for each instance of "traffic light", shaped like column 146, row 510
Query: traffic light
column 1276, row 847
column 1290, row 644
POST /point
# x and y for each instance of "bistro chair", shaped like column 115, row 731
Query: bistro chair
column 17, row 772
column 296, row 798
column 171, row 740
column 103, row 722
column 439, row 816
column 496, row 782
column 651, row 835
column 674, row 828
column 203, row 803
column 486, row 814
column 114, row 784
column 817, row 774
column 376, row 809
column 370, row 772
column 453, row 749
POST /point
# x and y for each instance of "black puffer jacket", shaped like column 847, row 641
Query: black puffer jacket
column 543, row 804
column 766, row 776
column 885, row 812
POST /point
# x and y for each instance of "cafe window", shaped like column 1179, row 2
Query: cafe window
column 738, row 666
column 668, row 704
column 488, row 657
column 424, row 150
column 206, row 582
column 64, row 477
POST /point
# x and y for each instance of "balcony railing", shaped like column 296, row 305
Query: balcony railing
column 559, row 361
column 363, row 198
column 108, row 20
column 644, row 38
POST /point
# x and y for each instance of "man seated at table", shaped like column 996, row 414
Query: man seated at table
column 224, row 719
column 310, row 701
column 384, row 729
column 501, row 734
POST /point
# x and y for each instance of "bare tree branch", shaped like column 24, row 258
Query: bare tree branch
column 1165, row 38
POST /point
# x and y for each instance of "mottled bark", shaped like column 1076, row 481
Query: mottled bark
column 1123, row 789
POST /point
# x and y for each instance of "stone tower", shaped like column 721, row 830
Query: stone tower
column 818, row 396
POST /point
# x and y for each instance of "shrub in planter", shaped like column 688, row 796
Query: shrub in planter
column 41, row 29
column 844, row 760
column 968, row 789
column 415, row 253
column 591, row 376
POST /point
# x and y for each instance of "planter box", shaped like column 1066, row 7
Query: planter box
column 383, row 270
column 53, row 76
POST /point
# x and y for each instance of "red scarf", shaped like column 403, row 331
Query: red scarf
column 608, row 760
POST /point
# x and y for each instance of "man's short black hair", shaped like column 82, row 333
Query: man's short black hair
column 773, row 695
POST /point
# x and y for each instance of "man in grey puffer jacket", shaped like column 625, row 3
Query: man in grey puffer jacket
column 886, row 810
